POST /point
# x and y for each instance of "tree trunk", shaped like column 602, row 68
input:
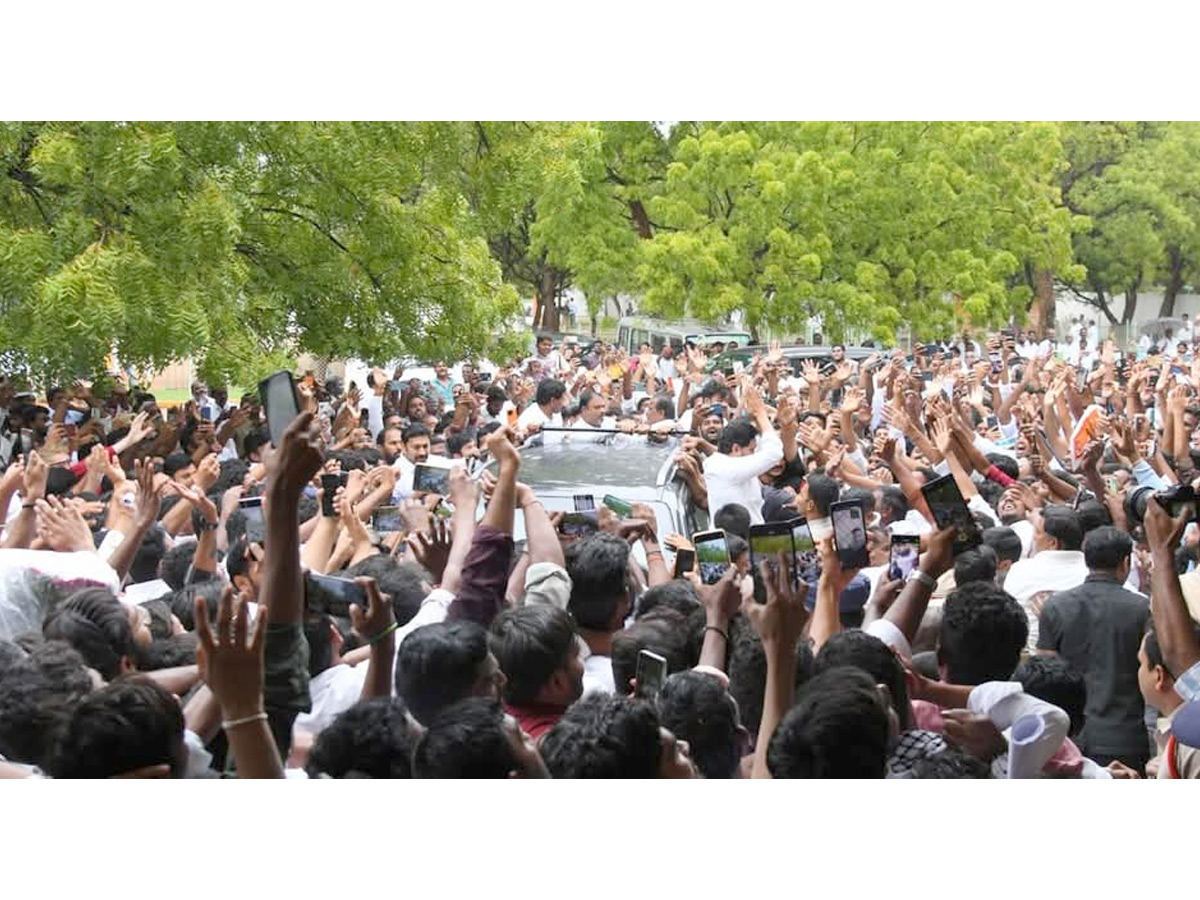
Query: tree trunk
column 641, row 221
column 547, row 300
column 1042, row 313
column 1174, row 283
column 1131, row 299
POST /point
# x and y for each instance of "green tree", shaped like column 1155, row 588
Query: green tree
column 239, row 244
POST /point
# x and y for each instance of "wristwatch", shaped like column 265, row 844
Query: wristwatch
column 928, row 580
column 207, row 526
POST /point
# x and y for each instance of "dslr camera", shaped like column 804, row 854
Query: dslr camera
column 1176, row 500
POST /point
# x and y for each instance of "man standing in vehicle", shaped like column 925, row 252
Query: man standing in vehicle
column 732, row 472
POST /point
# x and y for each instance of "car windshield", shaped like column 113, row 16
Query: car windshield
column 565, row 465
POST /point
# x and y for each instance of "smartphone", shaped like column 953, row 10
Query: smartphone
column 256, row 528
column 621, row 507
column 685, row 561
column 580, row 523
column 718, row 409
column 281, row 403
column 850, row 534
column 396, row 385
column 431, row 479
column 584, row 502
column 927, row 377
column 387, row 519
column 806, row 564
column 950, row 511
column 1178, row 370
column 325, row 594
column 651, row 673
column 329, row 484
column 828, row 369
column 902, row 562
column 993, row 422
column 712, row 554
column 767, row 541
column 206, row 413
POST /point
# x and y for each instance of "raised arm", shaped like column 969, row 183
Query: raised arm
column 1172, row 623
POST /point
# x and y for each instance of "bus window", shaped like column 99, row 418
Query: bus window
column 656, row 342
column 623, row 337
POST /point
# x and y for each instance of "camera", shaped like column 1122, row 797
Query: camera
column 1176, row 500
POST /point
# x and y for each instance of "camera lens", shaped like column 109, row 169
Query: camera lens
column 1135, row 503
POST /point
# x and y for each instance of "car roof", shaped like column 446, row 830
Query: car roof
column 636, row 472
column 744, row 354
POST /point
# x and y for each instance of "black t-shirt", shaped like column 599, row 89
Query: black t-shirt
column 1098, row 628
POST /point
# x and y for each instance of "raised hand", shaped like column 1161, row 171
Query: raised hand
column 231, row 660
column 299, row 458
column 779, row 621
column 852, row 400
column 378, row 617
column 431, row 548
column 63, row 527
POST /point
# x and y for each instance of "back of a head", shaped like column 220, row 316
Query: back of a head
column 597, row 566
column 1092, row 515
column 148, row 556
column 128, row 725
column 97, row 625
column 665, row 633
column 603, row 736
column 733, row 518
column 34, row 707
column 837, row 729
column 892, row 499
column 550, row 390
column 975, row 565
column 678, row 594
column 867, row 652
column 438, row 665
column 1106, row 548
column 1005, row 464
column 1005, row 543
column 748, row 670
column 738, row 433
column 696, row 708
column 1053, row 679
column 1062, row 524
column 983, row 632
column 950, row 764
column 823, row 492
column 404, row 583
column 465, row 740
column 530, row 644
column 372, row 738
column 175, row 563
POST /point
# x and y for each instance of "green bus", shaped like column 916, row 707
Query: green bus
column 633, row 331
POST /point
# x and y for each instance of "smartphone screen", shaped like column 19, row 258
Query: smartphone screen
column 651, row 673
column 584, row 502
column 927, row 377
column 332, row 596
column 431, row 480
column 950, row 511
column 906, row 550
column 685, row 561
column 281, row 403
column 387, row 519
column 329, row 484
column 718, row 409
column 256, row 530
column 806, row 564
column 993, row 422
column 767, row 541
column 712, row 555
column 206, row 413
column 579, row 524
column 850, row 535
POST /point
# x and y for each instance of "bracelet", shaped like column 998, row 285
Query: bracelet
column 28, row 505
column 928, row 580
column 650, row 553
column 379, row 637
column 720, row 631
column 234, row 723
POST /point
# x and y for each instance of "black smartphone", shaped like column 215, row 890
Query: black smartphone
column 828, row 369
column 806, row 564
column 850, row 534
column 256, row 528
column 950, row 510
column 387, row 519
column 584, row 502
column 905, row 553
column 431, row 479
column 993, row 422
column 206, row 413
column 579, row 524
column 712, row 555
column 651, row 673
column 325, row 594
column 280, row 402
column 329, row 484
column 927, row 377
column 717, row 409
column 767, row 541
column 685, row 561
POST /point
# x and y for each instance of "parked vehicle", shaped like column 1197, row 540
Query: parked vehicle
column 633, row 331
column 822, row 355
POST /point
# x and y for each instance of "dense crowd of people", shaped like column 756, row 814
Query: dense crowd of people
column 181, row 596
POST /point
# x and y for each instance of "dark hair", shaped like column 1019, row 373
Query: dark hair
column 695, row 707
column 167, row 653
column 983, row 632
column 737, row 545
column 175, row 564
column 950, row 763
column 149, row 553
column 1005, row 464
column 1092, row 515
column 975, row 565
column 665, row 405
column 130, row 724
column 1061, row 523
column 530, row 644
column 372, row 738
column 892, row 500
column 738, row 433
column 233, row 473
column 466, row 740
column 748, row 669
column 255, row 441
column 183, row 602
column 602, row 736
column 733, row 518
column 1051, row 678
column 822, row 491
column 867, row 652
column 665, row 633
column 549, row 390
column 37, row 694
column 863, row 497
column 1106, row 548
column 597, row 565
column 678, row 595
column 1005, row 543
column 1154, row 651
column 415, row 430
column 837, row 729
column 438, row 665
column 59, row 480
column 96, row 624
column 176, row 462
column 406, row 584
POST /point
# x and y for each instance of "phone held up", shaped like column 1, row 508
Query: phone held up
column 712, row 555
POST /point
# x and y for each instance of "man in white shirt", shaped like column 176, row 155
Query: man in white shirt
column 548, row 406
column 593, row 425
column 1057, row 564
column 731, row 473
column 416, row 452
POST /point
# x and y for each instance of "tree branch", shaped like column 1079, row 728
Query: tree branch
column 375, row 279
